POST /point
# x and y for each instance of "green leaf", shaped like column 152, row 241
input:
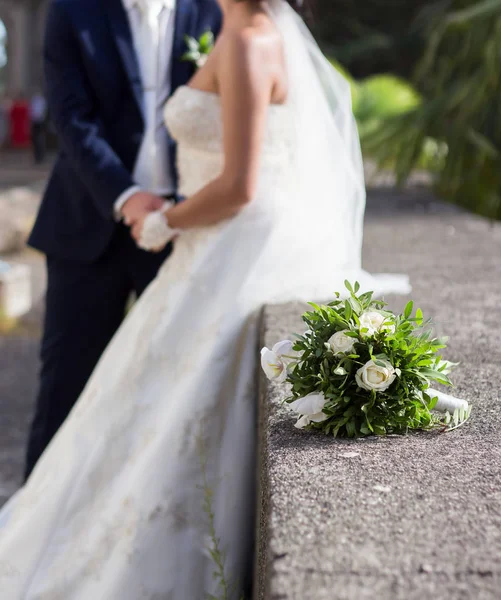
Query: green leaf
column 435, row 375
column 355, row 304
column 207, row 41
column 347, row 285
column 366, row 298
column 191, row 56
column 408, row 309
column 419, row 316
column 432, row 403
column 348, row 311
column 351, row 428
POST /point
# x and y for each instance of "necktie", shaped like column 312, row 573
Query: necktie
column 149, row 34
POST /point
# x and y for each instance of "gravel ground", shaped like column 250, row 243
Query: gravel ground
column 18, row 374
column 21, row 184
column 403, row 517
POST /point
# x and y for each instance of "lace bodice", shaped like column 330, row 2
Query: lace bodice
column 194, row 120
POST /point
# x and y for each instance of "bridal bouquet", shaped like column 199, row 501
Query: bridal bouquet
column 362, row 370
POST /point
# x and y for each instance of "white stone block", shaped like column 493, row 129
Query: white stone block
column 15, row 290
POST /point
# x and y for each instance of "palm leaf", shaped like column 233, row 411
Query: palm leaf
column 460, row 80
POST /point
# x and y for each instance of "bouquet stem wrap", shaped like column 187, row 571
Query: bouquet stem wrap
column 446, row 402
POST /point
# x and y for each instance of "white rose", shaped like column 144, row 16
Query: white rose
column 375, row 321
column 310, row 407
column 275, row 361
column 340, row 343
column 373, row 377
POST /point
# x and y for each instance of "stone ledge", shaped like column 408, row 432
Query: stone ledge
column 395, row 518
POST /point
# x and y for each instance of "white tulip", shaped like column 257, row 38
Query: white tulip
column 284, row 349
column 275, row 361
column 375, row 321
column 373, row 377
column 340, row 343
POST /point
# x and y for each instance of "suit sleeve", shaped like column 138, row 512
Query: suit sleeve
column 75, row 118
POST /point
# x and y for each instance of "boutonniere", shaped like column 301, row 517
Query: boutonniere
column 198, row 50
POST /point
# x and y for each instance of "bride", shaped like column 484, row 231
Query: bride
column 147, row 489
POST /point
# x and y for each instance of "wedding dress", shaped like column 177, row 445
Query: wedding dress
column 160, row 445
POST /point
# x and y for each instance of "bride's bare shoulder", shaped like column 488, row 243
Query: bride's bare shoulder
column 257, row 49
column 257, row 36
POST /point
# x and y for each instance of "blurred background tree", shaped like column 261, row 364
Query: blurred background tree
column 459, row 78
column 447, row 118
column 369, row 36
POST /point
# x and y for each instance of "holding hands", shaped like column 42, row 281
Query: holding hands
column 145, row 214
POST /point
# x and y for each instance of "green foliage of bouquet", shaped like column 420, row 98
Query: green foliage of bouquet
column 362, row 370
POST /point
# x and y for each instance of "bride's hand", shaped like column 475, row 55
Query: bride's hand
column 137, row 230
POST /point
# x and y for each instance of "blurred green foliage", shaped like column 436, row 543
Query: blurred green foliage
column 369, row 36
column 381, row 97
column 459, row 119
column 449, row 119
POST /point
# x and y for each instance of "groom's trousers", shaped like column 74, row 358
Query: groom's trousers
column 85, row 305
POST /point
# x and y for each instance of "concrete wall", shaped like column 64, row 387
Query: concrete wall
column 407, row 517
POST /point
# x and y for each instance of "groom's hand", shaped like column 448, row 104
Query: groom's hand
column 139, row 205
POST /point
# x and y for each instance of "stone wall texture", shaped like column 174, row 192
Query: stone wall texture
column 397, row 518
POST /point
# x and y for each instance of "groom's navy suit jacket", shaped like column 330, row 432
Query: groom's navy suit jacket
column 95, row 97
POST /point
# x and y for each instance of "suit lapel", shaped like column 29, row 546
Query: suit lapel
column 185, row 24
column 123, row 39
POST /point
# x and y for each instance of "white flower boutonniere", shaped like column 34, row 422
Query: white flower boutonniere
column 198, row 50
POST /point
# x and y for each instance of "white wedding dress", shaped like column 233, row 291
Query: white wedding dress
column 115, row 508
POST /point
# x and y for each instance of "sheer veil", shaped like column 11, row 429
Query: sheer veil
column 329, row 186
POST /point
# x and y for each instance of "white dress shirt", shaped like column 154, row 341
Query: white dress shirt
column 38, row 109
column 152, row 26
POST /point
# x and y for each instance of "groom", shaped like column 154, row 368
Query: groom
column 110, row 66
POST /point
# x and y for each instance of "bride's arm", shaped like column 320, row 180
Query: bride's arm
column 245, row 87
